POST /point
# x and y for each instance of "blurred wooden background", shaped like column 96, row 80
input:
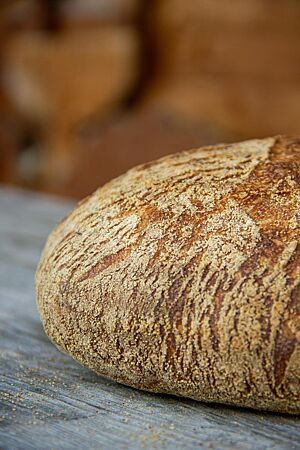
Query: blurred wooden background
column 89, row 88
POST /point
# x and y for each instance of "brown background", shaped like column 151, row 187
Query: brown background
column 89, row 88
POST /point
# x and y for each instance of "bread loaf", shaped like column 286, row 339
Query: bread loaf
column 183, row 276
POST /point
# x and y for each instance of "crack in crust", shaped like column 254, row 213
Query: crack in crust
column 183, row 276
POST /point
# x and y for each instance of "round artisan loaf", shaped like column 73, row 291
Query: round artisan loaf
column 183, row 276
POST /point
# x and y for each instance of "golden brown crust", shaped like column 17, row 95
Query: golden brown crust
column 183, row 276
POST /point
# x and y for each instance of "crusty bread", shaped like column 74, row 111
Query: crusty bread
column 183, row 276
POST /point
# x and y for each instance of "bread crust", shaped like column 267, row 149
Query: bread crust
column 182, row 276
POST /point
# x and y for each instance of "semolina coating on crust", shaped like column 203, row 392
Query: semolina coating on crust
column 182, row 276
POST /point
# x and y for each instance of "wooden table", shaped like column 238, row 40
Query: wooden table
column 49, row 402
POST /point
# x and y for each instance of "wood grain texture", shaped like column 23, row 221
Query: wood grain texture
column 48, row 401
column 182, row 276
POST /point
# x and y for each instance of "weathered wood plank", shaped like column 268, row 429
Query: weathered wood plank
column 47, row 401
